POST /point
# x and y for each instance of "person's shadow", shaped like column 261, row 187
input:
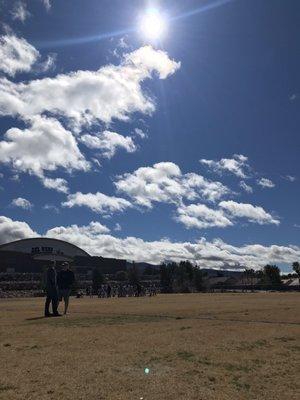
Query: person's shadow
column 34, row 319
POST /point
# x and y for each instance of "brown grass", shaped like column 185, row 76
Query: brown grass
column 198, row 346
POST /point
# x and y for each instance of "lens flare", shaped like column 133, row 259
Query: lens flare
column 152, row 24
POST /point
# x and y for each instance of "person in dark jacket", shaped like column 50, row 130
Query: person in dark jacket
column 51, row 291
column 65, row 280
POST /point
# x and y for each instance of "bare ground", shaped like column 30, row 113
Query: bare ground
column 198, row 346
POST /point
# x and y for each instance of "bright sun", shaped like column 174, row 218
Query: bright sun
column 152, row 24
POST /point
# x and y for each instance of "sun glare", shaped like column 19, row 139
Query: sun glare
column 152, row 24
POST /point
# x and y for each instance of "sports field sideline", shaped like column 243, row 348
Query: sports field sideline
column 194, row 346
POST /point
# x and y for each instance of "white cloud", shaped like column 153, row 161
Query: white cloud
column 112, row 92
column 48, row 64
column 251, row 213
column 265, row 183
column 44, row 146
column 122, row 43
column 108, row 143
column 20, row 11
column 82, row 97
column 246, row 187
column 205, row 253
column 200, row 216
column 290, row 178
column 147, row 60
column 51, row 207
column 22, row 203
column 217, row 254
column 92, row 230
column 117, row 227
column 164, row 182
column 196, row 186
column 237, row 165
column 14, row 230
column 58, row 184
column 16, row 55
column 47, row 4
column 140, row 133
column 97, row 202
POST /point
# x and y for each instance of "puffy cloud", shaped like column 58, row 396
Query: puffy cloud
column 82, row 97
column 109, row 142
column 44, row 146
column 246, row 187
column 146, row 60
column 251, row 213
column 97, row 202
column 58, row 184
column 20, row 11
column 112, row 92
column 265, row 183
column 164, row 182
column 92, row 230
column 236, row 165
column 11, row 230
column 22, row 203
column 16, row 55
column 197, row 186
column 200, row 216
column 205, row 253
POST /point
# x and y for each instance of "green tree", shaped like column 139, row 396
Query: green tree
column 199, row 279
column 296, row 268
column 271, row 275
column 184, row 276
column 167, row 276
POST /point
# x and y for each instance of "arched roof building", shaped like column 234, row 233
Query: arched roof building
column 31, row 255
column 42, row 248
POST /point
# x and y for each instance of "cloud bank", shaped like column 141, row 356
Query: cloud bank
column 94, row 238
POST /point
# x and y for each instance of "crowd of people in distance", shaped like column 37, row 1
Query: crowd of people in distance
column 122, row 290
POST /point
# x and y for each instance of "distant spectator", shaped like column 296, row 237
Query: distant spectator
column 108, row 291
column 65, row 280
column 51, row 291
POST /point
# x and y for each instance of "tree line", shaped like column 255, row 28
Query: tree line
column 185, row 277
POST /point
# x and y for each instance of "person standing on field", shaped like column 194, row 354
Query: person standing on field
column 51, row 291
column 65, row 281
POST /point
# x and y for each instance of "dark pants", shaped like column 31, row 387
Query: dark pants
column 51, row 297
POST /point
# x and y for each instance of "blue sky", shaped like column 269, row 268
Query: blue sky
column 181, row 147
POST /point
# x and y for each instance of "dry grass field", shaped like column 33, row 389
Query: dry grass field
column 197, row 346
